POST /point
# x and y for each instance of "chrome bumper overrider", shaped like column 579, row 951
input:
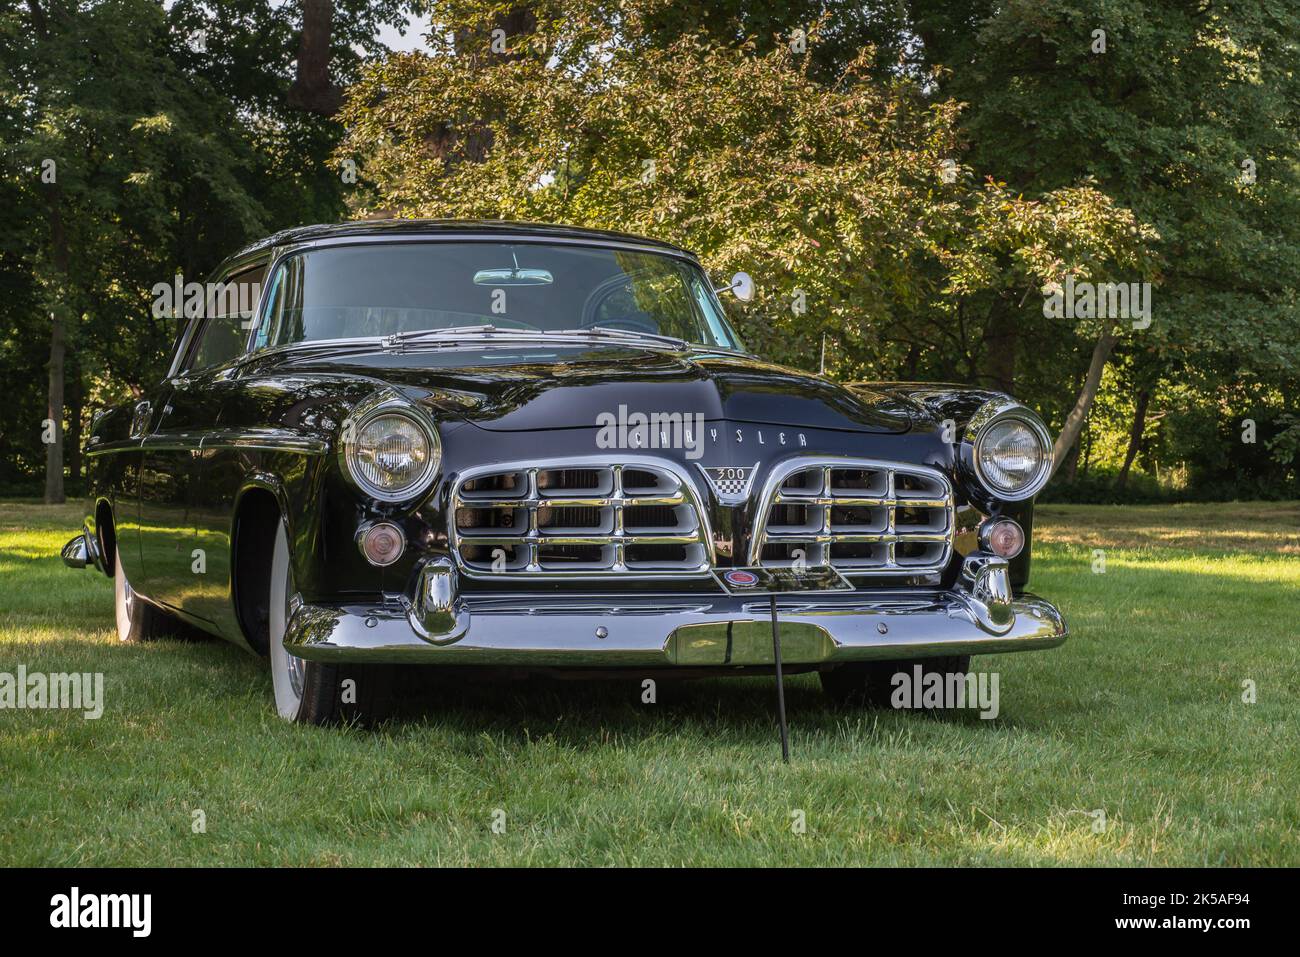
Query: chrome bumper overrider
column 439, row 626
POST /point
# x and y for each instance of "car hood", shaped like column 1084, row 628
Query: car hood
column 527, row 389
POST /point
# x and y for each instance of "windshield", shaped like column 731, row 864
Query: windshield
column 389, row 289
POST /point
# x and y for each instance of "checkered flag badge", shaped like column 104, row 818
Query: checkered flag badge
column 731, row 481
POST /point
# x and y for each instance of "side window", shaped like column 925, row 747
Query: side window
column 282, row 316
column 230, row 307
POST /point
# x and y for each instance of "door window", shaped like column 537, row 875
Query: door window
column 230, row 308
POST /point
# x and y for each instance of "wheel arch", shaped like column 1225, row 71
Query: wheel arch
column 259, row 508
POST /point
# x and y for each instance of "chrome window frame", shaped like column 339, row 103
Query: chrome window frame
column 179, row 365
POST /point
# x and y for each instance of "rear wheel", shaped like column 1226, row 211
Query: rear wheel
column 871, row 683
column 137, row 620
column 311, row 692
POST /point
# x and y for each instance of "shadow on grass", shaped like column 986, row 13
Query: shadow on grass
column 588, row 712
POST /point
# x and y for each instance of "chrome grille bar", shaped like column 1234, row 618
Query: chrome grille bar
column 578, row 518
column 861, row 516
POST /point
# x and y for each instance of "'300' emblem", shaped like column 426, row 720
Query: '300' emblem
column 731, row 482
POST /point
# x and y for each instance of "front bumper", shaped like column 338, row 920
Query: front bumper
column 438, row 626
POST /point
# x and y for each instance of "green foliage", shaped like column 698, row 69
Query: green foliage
column 172, row 146
column 118, row 170
column 1185, row 103
column 833, row 195
column 902, row 177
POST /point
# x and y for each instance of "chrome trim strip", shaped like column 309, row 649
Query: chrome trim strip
column 306, row 446
column 264, row 440
column 120, row 445
column 326, row 242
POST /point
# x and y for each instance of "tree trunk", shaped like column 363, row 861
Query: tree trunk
column 54, row 493
column 54, row 412
column 312, row 89
column 1134, row 436
column 474, row 45
column 1085, row 442
column 76, row 400
column 1000, row 337
column 1070, row 468
column 1091, row 382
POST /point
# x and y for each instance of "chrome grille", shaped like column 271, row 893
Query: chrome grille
column 574, row 518
column 860, row 516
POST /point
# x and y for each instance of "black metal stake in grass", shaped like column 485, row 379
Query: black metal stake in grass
column 780, row 683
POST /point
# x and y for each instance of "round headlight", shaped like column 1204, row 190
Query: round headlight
column 392, row 456
column 1013, row 458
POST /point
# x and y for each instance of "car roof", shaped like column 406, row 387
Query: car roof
column 444, row 228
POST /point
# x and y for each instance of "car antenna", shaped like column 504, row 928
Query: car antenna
column 780, row 682
column 756, row 581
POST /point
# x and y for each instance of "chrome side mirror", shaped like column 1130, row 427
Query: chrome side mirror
column 742, row 287
column 76, row 554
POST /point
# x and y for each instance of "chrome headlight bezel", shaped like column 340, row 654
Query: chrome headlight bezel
column 380, row 405
column 992, row 413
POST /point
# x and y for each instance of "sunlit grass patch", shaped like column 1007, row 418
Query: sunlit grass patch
column 1139, row 716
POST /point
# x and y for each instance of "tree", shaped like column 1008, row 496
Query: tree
column 137, row 142
column 112, row 143
column 1184, row 113
column 842, row 197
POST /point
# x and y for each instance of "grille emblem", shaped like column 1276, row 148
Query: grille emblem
column 731, row 483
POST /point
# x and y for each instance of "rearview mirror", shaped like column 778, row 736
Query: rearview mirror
column 513, row 277
column 742, row 287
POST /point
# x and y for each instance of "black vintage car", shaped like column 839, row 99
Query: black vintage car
column 545, row 449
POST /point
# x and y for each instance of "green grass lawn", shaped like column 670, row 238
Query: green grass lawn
column 1139, row 715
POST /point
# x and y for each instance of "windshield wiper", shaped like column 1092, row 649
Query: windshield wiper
column 606, row 331
column 490, row 332
column 397, row 339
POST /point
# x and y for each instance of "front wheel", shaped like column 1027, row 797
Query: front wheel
column 311, row 692
column 872, row 682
